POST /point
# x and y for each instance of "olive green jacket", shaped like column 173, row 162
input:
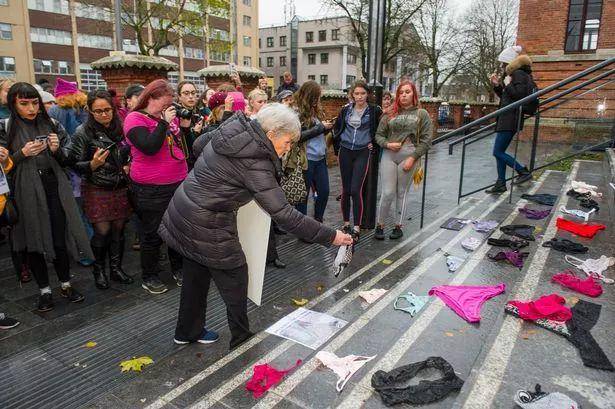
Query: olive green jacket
column 413, row 123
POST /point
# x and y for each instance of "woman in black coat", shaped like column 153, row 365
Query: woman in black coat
column 99, row 156
column 517, row 83
column 236, row 163
column 49, row 225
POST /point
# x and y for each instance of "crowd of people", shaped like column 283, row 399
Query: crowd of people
column 177, row 163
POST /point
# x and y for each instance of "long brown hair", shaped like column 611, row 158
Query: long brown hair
column 307, row 101
column 154, row 90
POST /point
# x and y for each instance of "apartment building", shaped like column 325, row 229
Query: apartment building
column 324, row 50
column 246, row 16
column 50, row 37
column 15, row 49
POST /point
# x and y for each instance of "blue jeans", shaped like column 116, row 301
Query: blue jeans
column 317, row 177
column 502, row 140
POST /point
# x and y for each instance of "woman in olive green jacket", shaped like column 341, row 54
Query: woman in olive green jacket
column 405, row 135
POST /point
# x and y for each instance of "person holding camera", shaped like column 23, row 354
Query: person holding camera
column 187, row 108
column 48, row 224
column 159, row 151
column 98, row 156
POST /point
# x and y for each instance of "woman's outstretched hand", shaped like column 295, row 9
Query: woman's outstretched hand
column 342, row 238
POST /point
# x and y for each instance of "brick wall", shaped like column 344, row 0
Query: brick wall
column 248, row 83
column 120, row 79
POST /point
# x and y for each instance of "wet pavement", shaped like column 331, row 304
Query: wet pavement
column 44, row 364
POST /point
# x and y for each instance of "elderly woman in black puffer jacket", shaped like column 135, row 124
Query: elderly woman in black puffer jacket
column 236, row 163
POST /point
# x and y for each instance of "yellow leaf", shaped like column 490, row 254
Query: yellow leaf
column 299, row 302
column 537, row 229
column 449, row 334
column 90, row 344
column 136, row 364
column 386, row 261
column 320, row 287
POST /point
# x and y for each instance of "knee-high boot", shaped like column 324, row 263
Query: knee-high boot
column 116, row 255
column 99, row 248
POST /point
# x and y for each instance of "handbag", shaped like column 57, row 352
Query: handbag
column 293, row 185
column 419, row 173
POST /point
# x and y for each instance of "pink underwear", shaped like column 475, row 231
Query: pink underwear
column 265, row 377
column 466, row 300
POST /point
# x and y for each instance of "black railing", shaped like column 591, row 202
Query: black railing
column 487, row 129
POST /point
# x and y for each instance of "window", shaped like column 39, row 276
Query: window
column 6, row 32
column 312, row 77
column 583, row 25
column 4, row 2
column 324, row 80
column 51, row 6
column 335, row 34
column 247, row 41
column 282, row 41
column 170, row 50
column 223, row 56
column 64, row 68
column 269, row 42
column 96, row 41
column 92, row 12
column 195, row 53
column 91, row 79
column 324, row 58
column 350, row 79
column 351, row 59
column 247, row 61
column 50, row 36
column 283, row 61
column 217, row 34
column 7, row 66
column 247, row 3
column 269, row 61
column 46, row 67
column 309, row 36
column 311, row 59
column 247, row 21
column 322, row 35
column 260, row 62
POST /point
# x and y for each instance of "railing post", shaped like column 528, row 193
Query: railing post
column 516, row 136
column 424, row 186
column 534, row 141
column 463, row 163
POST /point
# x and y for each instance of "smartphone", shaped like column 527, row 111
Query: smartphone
column 109, row 147
column 239, row 102
column 41, row 138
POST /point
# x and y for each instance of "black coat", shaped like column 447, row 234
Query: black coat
column 375, row 113
column 520, row 86
column 81, row 151
column 293, row 87
column 236, row 163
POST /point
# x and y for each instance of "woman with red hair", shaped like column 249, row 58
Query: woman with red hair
column 405, row 135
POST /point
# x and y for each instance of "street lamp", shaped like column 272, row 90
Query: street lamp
column 119, row 43
column 377, row 17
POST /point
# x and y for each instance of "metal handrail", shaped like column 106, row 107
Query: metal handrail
column 529, row 98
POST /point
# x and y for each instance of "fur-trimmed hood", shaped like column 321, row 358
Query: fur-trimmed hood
column 522, row 60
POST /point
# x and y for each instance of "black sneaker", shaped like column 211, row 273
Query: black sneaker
column 153, row 285
column 499, row 187
column 179, row 277
column 524, row 176
column 45, row 302
column 71, row 294
column 379, row 234
column 7, row 323
column 396, row 233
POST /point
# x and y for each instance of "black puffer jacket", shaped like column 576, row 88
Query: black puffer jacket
column 520, row 86
column 236, row 163
column 86, row 140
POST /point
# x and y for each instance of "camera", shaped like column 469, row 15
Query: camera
column 182, row 113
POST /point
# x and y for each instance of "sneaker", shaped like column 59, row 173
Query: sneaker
column 207, row 337
column 499, row 187
column 396, row 233
column 379, row 234
column 45, row 302
column 153, row 285
column 72, row 294
column 86, row 262
column 7, row 323
column 179, row 277
column 524, row 176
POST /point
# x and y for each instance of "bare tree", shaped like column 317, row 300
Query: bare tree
column 440, row 43
column 398, row 32
column 492, row 25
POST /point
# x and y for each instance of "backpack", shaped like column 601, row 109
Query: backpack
column 531, row 107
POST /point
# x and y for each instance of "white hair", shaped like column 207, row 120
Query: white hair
column 279, row 118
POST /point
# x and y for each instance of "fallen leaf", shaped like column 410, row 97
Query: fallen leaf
column 136, row 364
column 526, row 334
column 143, row 400
column 386, row 261
column 275, row 307
column 346, row 290
column 320, row 287
column 537, row 229
column 299, row 302
column 90, row 344
column 572, row 300
column 449, row 334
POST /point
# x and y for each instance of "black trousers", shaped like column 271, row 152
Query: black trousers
column 272, row 250
column 354, row 166
column 233, row 287
column 57, row 218
column 149, row 203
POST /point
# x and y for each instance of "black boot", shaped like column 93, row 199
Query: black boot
column 116, row 255
column 524, row 176
column 499, row 187
column 99, row 249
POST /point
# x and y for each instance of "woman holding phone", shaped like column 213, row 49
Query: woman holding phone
column 99, row 157
column 49, row 225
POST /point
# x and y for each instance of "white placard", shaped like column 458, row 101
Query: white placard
column 253, row 225
column 4, row 183
column 306, row 327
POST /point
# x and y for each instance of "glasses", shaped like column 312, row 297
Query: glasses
column 106, row 111
column 189, row 93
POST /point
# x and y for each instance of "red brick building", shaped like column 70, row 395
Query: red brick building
column 564, row 37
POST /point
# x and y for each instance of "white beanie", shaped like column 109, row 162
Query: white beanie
column 509, row 54
column 45, row 96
